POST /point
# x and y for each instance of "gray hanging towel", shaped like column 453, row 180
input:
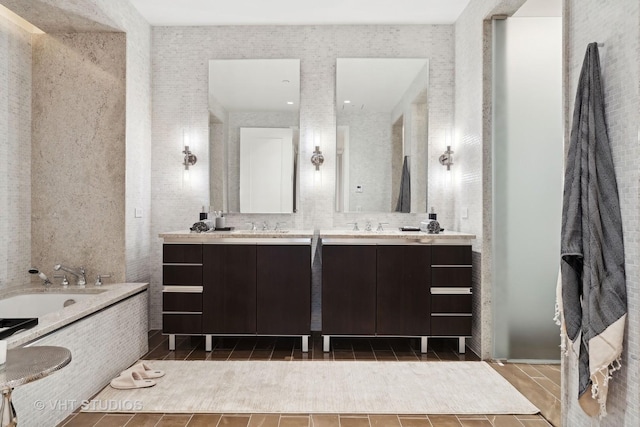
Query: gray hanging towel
column 593, row 289
column 404, row 198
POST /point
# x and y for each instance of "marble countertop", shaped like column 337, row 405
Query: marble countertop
column 394, row 234
column 101, row 297
column 328, row 234
column 189, row 237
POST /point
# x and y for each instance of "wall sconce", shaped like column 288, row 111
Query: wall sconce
column 446, row 159
column 317, row 159
column 190, row 159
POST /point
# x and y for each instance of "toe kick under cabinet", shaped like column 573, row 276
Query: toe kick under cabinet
column 236, row 287
column 391, row 287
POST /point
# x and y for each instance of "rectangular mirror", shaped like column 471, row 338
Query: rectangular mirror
column 254, row 134
column 382, row 134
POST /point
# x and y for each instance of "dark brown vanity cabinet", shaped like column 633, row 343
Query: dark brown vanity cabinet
column 451, row 306
column 239, row 288
column 182, row 289
column 229, row 282
column 283, row 283
column 348, row 289
column 402, row 291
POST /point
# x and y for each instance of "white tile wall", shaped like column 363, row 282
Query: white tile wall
column 616, row 25
column 180, row 70
column 100, row 350
column 15, row 154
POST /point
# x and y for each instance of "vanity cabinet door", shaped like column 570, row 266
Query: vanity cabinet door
column 284, row 289
column 403, row 280
column 349, row 289
column 229, row 289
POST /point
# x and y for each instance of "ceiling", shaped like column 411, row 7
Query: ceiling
column 299, row 12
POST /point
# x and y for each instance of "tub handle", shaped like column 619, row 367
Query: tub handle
column 100, row 277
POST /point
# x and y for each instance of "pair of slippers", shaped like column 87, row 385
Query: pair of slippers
column 139, row 375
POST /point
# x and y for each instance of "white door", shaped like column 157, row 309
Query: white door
column 266, row 170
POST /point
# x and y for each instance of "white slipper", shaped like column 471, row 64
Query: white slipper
column 131, row 379
column 145, row 371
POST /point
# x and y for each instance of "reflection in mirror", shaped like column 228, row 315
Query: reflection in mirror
column 254, row 134
column 381, row 152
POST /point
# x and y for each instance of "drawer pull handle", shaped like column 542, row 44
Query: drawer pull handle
column 451, row 266
column 451, row 314
column 182, row 289
column 451, row 291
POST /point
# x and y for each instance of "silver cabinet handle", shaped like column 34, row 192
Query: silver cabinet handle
column 451, row 291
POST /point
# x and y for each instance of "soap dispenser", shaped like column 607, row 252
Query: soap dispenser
column 433, row 226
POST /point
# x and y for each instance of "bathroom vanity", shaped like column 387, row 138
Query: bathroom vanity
column 237, row 283
column 396, row 284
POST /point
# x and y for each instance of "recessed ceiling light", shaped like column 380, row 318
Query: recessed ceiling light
column 347, row 102
column 290, row 102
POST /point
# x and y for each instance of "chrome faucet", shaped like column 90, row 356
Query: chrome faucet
column 367, row 226
column 253, row 226
column 278, row 226
column 265, row 226
column 79, row 273
column 380, row 226
column 355, row 226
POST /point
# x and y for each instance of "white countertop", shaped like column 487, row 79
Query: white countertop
column 101, row 297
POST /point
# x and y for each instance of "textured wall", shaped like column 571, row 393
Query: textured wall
column 60, row 16
column 616, row 24
column 15, row 154
column 180, row 70
column 78, row 143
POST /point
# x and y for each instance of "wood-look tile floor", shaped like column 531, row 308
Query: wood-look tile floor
column 539, row 383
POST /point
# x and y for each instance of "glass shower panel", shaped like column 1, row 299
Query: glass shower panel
column 527, row 185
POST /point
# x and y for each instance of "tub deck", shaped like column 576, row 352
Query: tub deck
column 100, row 297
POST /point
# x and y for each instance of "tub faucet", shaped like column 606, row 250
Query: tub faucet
column 79, row 273
column 45, row 280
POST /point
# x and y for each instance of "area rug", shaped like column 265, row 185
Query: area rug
column 319, row 387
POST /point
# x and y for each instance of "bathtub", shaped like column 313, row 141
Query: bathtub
column 105, row 330
column 38, row 304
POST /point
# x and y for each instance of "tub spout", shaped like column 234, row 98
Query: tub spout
column 79, row 273
column 45, row 280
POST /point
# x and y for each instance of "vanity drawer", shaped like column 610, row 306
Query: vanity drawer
column 450, row 276
column 178, row 253
column 450, row 326
column 176, row 274
column 458, row 304
column 182, row 323
column 181, row 301
column 451, row 255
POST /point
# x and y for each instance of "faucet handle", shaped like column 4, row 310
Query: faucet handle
column 277, row 227
column 100, row 277
column 65, row 281
column 253, row 225
column 265, row 226
column 380, row 224
column 367, row 226
column 355, row 226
